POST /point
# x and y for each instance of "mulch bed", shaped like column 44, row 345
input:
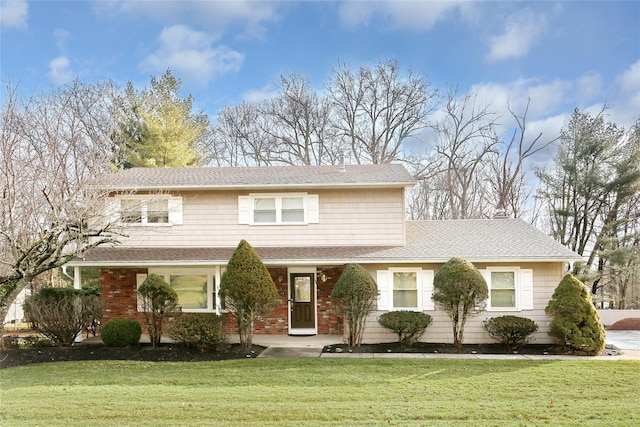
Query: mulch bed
column 163, row 353
column 421, row 347
column 628, row 324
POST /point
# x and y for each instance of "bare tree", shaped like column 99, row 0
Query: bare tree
column 508, row 178
column 376, row 109
column 465, row 139
column 299, row 124
column 53, row 148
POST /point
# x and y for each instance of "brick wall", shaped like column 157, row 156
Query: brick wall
column 118, row 290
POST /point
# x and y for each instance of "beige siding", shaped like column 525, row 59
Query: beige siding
column 347, row 218
column 546, row 277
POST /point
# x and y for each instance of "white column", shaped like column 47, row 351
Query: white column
column 77, row 280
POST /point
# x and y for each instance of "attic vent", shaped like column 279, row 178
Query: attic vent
column 342, row 164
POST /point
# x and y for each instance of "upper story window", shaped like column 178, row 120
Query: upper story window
column 150, row 210
column 274, row 209
column 510, row 288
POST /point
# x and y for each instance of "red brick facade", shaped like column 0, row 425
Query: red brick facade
column 118, row 290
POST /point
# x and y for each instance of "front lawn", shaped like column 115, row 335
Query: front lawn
column 321, row 392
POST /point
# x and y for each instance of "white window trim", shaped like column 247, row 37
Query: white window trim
column 174, row 210
column 419, row 289
column 246, row 208
column 516, row 285
column 212, row 273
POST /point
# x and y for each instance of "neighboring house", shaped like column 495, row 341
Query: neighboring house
column 307, row 223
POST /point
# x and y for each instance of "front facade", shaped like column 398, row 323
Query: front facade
column 307, row 223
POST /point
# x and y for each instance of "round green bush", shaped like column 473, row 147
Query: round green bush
column 200, row 330
column 121, row 332
column 409, row 325
column 512, row 331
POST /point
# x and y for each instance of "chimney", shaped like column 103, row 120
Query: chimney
column 342, row 165
column 500, row 214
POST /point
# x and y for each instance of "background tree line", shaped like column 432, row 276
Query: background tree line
column 55, row 144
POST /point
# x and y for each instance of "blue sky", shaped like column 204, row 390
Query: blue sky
column 562, row 55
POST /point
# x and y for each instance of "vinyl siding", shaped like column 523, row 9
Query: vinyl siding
column 347, row 218
column 546, row 277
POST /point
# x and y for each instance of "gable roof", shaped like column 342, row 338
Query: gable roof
column 477, row 240
column 274, row 177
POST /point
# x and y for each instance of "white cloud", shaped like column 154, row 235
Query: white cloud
column 14, row 14
column 60, row 71
column 625, row 109
column 61, row 36
column 416, row 16
column 190, row 53
column 520, row 34
column 215, row 16
column 256, row 95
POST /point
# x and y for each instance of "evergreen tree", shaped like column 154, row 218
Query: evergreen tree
column 157, row 127
column 247, row 290
column 458, row 288
column 354, row 297
column 575, row 323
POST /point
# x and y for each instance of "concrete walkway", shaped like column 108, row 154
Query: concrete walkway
column 311, row 346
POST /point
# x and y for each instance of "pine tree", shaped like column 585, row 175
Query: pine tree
column 575, row 323
column 247, row 290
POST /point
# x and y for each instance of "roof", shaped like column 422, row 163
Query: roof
column 484, row 240
column 272, row 177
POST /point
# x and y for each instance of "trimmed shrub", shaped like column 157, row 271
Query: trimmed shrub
column 61, row 314
column 409, row 325
column 247, row 290
column 511, row 331
column 159, row 301
column 203, row 331
column 354, row 297
column 121, row 333
column 576, row 323
column 458, row 288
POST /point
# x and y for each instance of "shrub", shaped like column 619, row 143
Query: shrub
column 247, row 290
column 159, row 301
column 121, row 333
column 61, row 314
column 575, row 323
column 199, row 330
column 354, row 297
column 409, row 325
column 512, row 331
column 458, row 288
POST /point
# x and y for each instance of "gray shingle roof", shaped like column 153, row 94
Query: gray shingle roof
column 491, row 240
column 387, row 175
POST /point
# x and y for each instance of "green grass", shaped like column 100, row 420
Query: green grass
column 329, row 392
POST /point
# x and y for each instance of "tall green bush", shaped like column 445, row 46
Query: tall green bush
column 121, row 332
column 354, row 297
column 159, row 301
column 576, row 323
column 61, row 314
column 247, row 290
column 460, row 290
column 409, row 325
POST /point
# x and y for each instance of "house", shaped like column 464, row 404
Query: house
column 307, row 223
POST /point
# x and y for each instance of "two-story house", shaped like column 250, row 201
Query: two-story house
column 307, row 223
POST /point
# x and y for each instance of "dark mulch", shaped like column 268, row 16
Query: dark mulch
column 628, row 324
column 163, row 353
column 421, row 347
